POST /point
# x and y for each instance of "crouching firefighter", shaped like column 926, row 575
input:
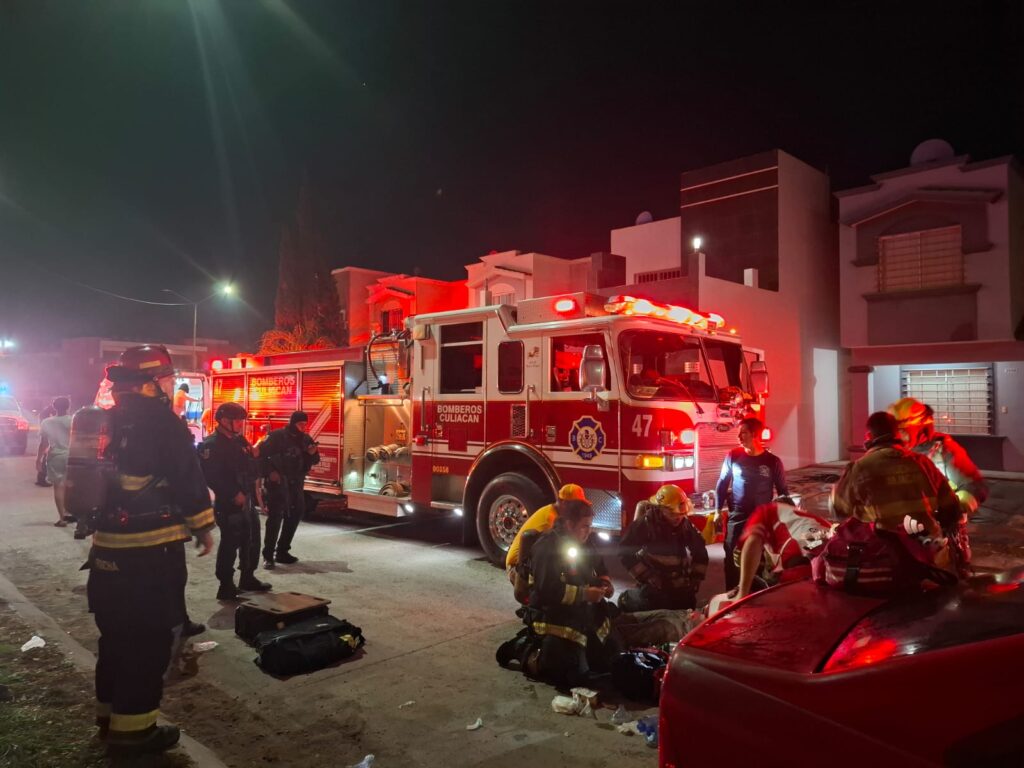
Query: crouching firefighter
column 665, row 553
column 153, row 500
column 568, row 610
column 231, row 469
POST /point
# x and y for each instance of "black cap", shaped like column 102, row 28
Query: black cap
column 298, row 416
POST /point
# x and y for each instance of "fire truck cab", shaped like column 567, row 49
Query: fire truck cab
column 485, row 412
column 617, row 395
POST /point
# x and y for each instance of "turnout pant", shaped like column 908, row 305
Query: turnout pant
column 239, row 536
column 286, row 505
column 130, row 668
column 137, row 598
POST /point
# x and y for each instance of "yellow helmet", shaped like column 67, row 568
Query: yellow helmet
column 669, row 496
column 910, row 412
column 571, row 492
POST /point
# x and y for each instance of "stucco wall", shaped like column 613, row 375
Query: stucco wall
column 649, row 247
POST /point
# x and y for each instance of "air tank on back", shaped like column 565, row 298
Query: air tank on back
column 89, row 467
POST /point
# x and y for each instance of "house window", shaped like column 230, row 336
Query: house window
column 503, row 298
column 960, row 397
column 391, row 320
column 510, row 367
column 657, row 275
column 461, row 358
column 914, row 261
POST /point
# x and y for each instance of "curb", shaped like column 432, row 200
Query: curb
column 199, row 753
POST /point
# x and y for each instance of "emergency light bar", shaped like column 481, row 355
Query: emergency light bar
column 630, row 305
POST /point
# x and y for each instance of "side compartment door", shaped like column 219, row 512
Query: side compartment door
column 321, row 397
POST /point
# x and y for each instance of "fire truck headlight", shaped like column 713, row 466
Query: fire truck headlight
column 682, row 462
column 458, row 511
column 409, row 508
column 650, row 461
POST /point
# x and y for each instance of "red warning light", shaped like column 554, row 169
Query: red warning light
column 217, row 365
column 766, row 434
column 565, row 305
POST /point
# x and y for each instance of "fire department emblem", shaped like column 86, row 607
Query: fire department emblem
column 586, row 438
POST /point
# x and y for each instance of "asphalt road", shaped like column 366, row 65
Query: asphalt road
column 433, row 612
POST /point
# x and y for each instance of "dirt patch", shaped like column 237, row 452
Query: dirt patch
column 236, row 728
column 47, row 708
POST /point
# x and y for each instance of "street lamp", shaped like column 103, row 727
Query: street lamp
column 226, row 289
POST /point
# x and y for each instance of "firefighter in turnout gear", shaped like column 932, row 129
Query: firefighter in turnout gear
column 230, row 467
column 568, row 607
column 917, row 427
column 286, row 456
column 895, row 488
column 665, row 553
column 156, row 500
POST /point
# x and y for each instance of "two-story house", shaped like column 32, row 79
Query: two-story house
column 931, row 261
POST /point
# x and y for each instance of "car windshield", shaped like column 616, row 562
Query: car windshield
column 670, row 366
column 8, row 403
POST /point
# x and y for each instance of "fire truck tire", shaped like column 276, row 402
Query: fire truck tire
column 504, row 505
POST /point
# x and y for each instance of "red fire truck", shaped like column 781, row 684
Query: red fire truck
column 484, row 412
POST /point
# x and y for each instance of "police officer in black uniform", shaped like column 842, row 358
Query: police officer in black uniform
column 286, row 455
column 156, row 501
column 230, row 466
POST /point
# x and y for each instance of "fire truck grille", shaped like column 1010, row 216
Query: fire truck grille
column 607, row 509
column 712, row 447
column 518, row 428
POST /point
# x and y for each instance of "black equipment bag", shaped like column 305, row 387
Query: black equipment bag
column 307, row 645
column 275, row 610
column 637, row 673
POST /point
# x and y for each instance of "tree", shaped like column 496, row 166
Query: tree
column 307, row 314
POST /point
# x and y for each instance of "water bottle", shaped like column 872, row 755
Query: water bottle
column 648, row 728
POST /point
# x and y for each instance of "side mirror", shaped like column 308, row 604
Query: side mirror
column 759, row 377
column 592, row 369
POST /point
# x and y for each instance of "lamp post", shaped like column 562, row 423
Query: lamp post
column 227, row 289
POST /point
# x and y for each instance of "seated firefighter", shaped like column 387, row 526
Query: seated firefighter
column 777, row 545
column 539, row 523
column 898, row 490
column 665, row 553
column 568, row 611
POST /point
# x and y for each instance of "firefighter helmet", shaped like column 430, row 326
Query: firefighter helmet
column 150, row 361
column 230, row 411
column 910, row 412
column 571, row 492
column 671, row 496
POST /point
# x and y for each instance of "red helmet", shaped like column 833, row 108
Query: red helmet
column 150, row 361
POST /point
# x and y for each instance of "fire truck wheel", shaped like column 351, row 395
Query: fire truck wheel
column 504, row 505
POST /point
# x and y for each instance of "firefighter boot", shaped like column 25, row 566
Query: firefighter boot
column 228, row 591
column 158, row 738
column 192, row 628
column 249, row 583
column 287, row 558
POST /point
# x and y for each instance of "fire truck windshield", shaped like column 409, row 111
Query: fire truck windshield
column 662, row 365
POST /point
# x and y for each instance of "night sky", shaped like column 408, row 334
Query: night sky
column 154, row 144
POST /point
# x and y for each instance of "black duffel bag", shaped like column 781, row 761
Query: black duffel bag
column 307, row 646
